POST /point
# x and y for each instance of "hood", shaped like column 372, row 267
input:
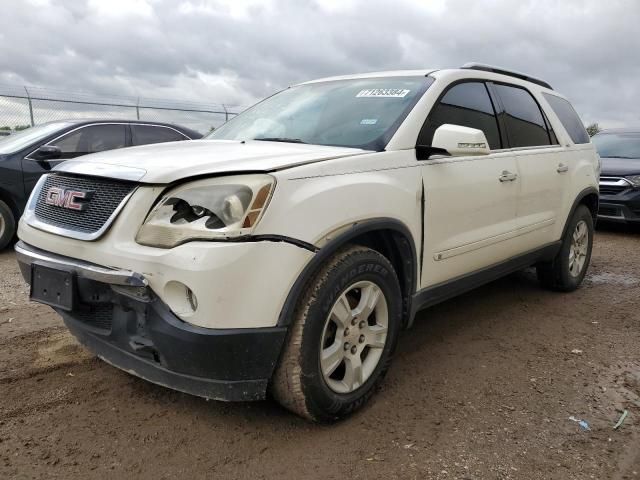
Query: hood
column 619, row 167
column 168, row 162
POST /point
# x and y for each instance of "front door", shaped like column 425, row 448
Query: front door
column 470, row 203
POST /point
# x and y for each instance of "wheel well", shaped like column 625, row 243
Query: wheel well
column 398, row 250
column 591, row 202
column 387, row 236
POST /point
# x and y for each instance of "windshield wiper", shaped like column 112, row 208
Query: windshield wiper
column 280, row 139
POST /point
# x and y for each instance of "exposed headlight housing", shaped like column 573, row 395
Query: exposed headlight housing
column 210, row 209
column 635, row 180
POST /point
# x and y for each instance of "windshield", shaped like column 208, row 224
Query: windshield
column 617, row 145
column 18, row 141
column 361, row 113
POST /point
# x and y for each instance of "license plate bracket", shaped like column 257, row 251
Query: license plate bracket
column 53, row 286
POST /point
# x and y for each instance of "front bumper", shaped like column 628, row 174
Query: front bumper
column 623, row 207
column 119, row 318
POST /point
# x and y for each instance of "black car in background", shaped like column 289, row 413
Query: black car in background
column 619, row 150
column 27, row 155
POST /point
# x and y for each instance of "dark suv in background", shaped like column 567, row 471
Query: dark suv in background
column 619, row 150
column 27, row 155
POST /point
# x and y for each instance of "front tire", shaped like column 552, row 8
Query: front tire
column 567, row 271
column 342, row 338
column 7, row 225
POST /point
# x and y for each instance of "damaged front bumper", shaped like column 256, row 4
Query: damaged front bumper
column 119, row 318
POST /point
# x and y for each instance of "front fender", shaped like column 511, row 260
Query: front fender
column 315, row 206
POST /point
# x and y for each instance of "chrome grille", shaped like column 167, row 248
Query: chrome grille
column 613, row 185
column 108, row 195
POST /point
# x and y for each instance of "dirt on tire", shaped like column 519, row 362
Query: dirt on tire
column 482, row 387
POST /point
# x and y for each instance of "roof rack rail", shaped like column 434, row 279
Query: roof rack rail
column 503, row 71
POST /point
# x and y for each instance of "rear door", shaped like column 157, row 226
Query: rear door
column 541, row 163
column 469, row 206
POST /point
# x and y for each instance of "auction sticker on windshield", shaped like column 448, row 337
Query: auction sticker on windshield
column 383, row 92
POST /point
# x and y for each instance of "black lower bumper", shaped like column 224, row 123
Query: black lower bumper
column 132, row 329
column 622, row 208
column 232, row 365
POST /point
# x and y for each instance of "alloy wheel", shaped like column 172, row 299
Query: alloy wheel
column 354, row 336
column 578, row 249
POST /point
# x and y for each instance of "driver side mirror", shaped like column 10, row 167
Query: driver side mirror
column 458, row 141
column 48, row 152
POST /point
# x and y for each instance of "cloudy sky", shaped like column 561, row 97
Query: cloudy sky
column 235, row 51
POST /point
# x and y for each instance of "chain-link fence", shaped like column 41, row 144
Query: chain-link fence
column 21, row 107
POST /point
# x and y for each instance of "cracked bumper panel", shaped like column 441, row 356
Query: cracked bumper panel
column 231, row 285
column 119, row 318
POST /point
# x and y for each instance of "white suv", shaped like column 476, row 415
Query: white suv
column 285, row 252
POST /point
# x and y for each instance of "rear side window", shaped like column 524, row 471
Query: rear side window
column 468, row 105
column 522, row 117
column 569, row 118
column 146, row 134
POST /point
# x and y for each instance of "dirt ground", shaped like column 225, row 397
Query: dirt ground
column 482, row 387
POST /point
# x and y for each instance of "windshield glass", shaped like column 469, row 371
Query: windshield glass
column 361, row 113
column 17, row 141
column 618, row 145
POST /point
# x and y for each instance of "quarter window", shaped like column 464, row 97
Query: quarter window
column 569, row 118
column 522, row 117
column 466, row 104
column 146, row 134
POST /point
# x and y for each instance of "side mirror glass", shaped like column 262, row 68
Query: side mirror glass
column 459, row 141
column 48, row 152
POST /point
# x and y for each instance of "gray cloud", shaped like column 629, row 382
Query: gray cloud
column 225, row 51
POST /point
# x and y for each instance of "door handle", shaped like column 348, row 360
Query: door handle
column 562, row 168
column 507, row 176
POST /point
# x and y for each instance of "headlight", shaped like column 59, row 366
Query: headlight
column 209, row 209
column 634, row 179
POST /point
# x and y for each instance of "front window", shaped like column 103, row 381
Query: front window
column 92, row 139
column 618, row 145
column 360, row 113
column 16, row 142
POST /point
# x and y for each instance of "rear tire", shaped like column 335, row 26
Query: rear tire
column 567, row 271
column 342, row 337
column 7, row 225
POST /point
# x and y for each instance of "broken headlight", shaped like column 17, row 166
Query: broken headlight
column 209, row 209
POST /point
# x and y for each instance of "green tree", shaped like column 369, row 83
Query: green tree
column 593, row 129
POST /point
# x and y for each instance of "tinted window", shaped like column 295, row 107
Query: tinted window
column 92, row 139
column 146, row 134
column 569, row 118
column 468, row 105
column 522, row 117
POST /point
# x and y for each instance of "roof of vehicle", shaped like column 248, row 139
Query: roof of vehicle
column 88, row 121
column 499, row 73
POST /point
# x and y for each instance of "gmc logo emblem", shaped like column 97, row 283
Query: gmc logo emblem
column 71, row 199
